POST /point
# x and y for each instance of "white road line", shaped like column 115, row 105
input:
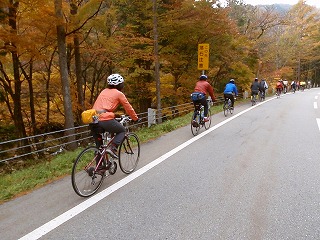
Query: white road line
column 56, row 222
column 318, row 122
column 315, row 105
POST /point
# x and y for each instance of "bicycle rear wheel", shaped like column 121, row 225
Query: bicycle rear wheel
column 231, row 109
column 129, row 153
column 195, row 126
column 225, row 108
column 208, row 123
column 85, row 181
column 253, row 101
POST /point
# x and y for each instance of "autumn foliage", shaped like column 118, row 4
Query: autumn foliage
column 103, row 37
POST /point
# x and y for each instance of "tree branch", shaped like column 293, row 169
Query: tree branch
column 85, row 22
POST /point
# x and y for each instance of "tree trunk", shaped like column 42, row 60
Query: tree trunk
column 18, row 118
column 80, row 82
column 48, row 87
column 78, row 70
column 67, row 101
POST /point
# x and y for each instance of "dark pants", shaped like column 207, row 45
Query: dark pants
column 230, row 96
column 204, row 102
column 111, row 126
column 254, row 92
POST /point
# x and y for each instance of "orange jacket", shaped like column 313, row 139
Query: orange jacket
column 109, row 99
column 204, row 87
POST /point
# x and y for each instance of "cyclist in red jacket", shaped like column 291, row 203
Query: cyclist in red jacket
column 200, row 94
column 279, row 87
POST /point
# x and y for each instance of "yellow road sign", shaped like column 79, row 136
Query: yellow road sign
column 203, row 56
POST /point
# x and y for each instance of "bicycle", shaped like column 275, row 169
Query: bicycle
column 254, row 99
column 87, row 178
column 227, row 107
column 262, row 96
column 278, row 92
column 197, row 120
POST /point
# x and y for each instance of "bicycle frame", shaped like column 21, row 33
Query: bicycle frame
column 227, row 106
column 123, row 120
column 227, row 101
column 102, row 153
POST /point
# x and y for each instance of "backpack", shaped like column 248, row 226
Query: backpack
column 264, row 85
column 197, row 96
column 87, row 116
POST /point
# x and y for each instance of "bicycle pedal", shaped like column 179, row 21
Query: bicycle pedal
column 194, row 123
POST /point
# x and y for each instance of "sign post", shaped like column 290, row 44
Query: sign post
column 203, row 56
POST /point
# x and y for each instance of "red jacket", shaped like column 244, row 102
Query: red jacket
column 204, row 87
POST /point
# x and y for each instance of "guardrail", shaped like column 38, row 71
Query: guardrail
column 42, row 145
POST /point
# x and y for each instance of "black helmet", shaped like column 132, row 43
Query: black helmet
column 256, row 79
column 231, row 80
column 203, row 77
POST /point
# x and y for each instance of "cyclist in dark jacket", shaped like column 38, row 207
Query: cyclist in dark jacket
column 255, row 87
column 229, row 89
column 263, row 87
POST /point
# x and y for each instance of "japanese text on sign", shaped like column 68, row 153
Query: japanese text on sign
column 203, row 56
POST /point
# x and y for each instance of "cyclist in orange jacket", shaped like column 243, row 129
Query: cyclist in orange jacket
column 200, row 94
column 107, row 102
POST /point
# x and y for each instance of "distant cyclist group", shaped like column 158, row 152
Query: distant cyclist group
column 282, row 86
column 258, row 91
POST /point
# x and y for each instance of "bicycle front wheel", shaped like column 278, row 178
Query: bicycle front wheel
column 85, row 181
column 208, row 123
column 129, row 153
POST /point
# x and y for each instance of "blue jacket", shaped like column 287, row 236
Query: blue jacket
column 231, row 88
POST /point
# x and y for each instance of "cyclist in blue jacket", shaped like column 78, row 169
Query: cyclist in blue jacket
column 229, row 90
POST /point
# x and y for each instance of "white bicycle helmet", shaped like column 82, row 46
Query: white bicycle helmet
column 115, row 79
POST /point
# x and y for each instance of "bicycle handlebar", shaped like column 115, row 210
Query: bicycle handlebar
column 123, row 119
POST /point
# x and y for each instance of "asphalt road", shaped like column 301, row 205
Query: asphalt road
column 253, row 175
